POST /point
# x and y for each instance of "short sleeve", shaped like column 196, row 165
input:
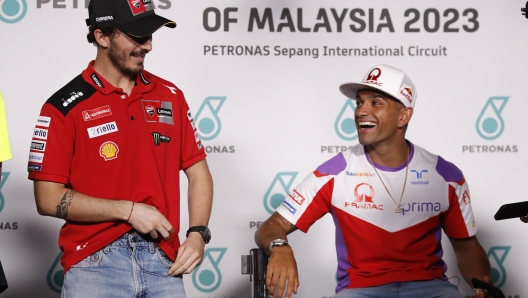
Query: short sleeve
column 5, row 149
column 192, row 149
column 52, row 146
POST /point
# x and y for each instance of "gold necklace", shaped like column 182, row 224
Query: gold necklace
column 398, row 205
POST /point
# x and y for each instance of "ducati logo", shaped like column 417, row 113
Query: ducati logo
column 150, row 110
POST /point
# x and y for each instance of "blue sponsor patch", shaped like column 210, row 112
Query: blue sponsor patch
column 34, row 168
column 290, row 207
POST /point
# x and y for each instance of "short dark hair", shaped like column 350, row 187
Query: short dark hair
column 106, row 32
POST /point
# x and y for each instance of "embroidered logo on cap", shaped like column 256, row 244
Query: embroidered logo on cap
column 136, row 6
column 407, row 92
column 373, row 76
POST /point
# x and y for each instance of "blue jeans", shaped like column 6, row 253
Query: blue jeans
column 131, row 266
column 423, row 289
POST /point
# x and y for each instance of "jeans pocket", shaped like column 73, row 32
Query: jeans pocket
column 91, row 260
column 166, row 261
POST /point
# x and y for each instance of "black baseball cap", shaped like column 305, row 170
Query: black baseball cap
column 133, row 17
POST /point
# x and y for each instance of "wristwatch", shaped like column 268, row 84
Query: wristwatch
column 203, row 230
column 277, row 242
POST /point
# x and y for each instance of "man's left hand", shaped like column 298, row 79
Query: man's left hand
column 190, row 255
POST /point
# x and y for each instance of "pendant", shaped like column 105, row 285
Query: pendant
column 398, row 209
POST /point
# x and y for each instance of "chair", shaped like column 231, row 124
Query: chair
column 255, row 265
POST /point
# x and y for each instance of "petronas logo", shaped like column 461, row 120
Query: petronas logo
column 157, row 138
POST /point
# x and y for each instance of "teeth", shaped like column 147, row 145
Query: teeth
column 369, row 124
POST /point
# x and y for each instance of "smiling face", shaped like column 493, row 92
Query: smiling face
column 127, row 53
column 380, row 119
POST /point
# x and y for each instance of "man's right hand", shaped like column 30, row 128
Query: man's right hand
column 147, row 219
column 282, row 268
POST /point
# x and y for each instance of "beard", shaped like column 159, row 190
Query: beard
column 119, row 59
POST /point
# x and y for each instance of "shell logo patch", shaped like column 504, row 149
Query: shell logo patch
column 109, row 150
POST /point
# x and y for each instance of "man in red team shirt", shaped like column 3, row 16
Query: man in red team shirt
column 105, row 157
column 390, row 201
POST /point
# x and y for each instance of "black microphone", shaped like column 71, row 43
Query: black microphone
column 524, row 10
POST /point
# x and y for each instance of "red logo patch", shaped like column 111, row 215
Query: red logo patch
column 374, row 74
column 296, row 197
column 100, row 112
column 136, row 6
column 361, row 193
column 466, row 198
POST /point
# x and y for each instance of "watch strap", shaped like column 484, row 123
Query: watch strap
column 203, row 230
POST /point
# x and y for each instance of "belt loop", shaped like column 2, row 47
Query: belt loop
column 152, row 246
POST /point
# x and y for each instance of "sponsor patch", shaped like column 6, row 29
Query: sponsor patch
column 164, row 112
column 289, row 207
column 102, row 129
column 40, row 133
column 143, row 79
column 97, row 113
column 34, row 168
column 103, row 19
column 108, row 150
column 36, row 157
column 159, row 138
column 72, row 98
column 136, row 6
column 39, row 146
column 43, row 121
column 373, row 76
column 407, row 92
column 158, row 111
column 96, row 80
column 297, row 198
column 150, row 111
column 172, row 89
column 190, row 118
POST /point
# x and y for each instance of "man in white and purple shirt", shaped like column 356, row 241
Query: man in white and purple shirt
column 390, row 201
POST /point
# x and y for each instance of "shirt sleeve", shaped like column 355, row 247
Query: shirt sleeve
column 458, row 221
column 52, row 146
column 312, row 198
column 5, row 149
column 192, row 147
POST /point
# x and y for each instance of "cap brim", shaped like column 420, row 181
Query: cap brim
column 146, row 26
column 350, row 90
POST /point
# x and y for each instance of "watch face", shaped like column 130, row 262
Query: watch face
column 206, row 235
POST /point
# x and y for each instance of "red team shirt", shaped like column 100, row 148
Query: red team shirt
column 374, row 244
column 97, row 140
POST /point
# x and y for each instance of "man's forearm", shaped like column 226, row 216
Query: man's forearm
column 200, row 194
column 275, row 227
column 471, row 259
column 54, row 199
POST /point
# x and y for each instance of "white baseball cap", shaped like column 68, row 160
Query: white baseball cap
column 387, row 79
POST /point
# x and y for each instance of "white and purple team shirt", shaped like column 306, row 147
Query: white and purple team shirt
column 374, row 244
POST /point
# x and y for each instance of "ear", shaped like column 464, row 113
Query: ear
column 102, row 40
column 405, row 116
